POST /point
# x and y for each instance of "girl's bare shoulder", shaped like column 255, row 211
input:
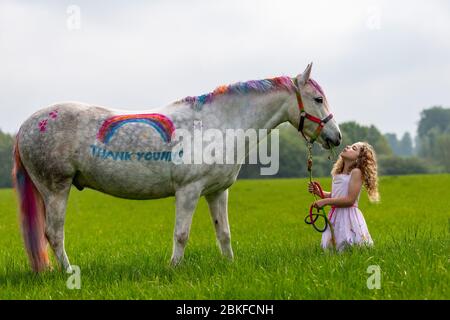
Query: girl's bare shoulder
column 356, row 173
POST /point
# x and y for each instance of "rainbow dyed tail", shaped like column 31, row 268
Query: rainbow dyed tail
column 32, row 215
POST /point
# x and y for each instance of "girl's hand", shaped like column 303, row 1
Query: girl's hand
column 312, row 188
column 320, row 203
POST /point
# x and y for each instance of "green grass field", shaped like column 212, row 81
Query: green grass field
column 123, row 247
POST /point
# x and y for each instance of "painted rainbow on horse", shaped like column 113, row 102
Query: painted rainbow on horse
column 160, row 122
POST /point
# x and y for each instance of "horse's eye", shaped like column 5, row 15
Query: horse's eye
column 318, row 99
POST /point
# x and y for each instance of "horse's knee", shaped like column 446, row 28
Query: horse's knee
column 181, row 237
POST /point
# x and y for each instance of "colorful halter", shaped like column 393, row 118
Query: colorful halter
column 305, row 115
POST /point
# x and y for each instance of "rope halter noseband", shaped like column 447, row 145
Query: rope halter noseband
column 305, row 115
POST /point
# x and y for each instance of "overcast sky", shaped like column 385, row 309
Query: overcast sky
column 379, row 62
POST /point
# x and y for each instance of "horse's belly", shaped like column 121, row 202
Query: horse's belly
column 128, row 180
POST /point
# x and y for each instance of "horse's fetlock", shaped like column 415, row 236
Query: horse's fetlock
column 224, row 237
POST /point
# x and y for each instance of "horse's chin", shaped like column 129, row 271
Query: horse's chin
column 326, row 145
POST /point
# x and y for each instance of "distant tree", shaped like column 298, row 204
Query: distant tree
column 393, row 142
column 405, row 146
column 433, row 136
column 353, row 132
column 443, row 152
column 435, row 117
column 6, row 147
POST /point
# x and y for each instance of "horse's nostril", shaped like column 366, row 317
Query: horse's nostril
column 340, row 137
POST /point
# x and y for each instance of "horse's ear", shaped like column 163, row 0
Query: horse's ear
column 304, row 77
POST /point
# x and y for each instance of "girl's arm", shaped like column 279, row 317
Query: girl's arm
column 327, row 194
column 354, row 187
column 314, row 190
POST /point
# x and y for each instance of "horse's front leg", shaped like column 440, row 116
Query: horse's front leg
column 218, row 207
column 186, row 202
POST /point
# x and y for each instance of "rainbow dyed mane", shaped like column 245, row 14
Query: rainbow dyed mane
column 265, row 85
column 160, row 122
column 316, row 86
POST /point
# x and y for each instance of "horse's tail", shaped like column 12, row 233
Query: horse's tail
column 32, row 214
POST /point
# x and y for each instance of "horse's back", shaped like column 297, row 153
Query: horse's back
column 63, row 142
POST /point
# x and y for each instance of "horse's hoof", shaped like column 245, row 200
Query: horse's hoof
column 175, row 262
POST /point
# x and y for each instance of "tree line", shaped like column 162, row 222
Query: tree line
column 429, row 154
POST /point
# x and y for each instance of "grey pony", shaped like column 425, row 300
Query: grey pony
column 58, row 147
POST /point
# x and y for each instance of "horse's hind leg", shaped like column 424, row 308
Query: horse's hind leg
column 218, row 207
column 55, row 214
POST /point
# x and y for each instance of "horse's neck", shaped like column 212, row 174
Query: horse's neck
column 245, row 111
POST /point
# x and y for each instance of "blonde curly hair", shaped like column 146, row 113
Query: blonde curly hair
column 367, row 163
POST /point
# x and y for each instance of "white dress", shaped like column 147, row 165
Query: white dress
column 349, row 225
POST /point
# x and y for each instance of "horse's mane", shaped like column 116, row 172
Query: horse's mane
column 265, row 85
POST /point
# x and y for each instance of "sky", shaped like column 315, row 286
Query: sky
column 379, row 62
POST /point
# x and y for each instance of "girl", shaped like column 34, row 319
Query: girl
column 355, row 167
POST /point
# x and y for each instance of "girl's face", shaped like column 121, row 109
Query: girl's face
column 351, row 152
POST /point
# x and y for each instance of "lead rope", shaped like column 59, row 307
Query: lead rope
column 312, row 217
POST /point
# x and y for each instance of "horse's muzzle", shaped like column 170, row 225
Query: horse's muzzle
column 334, row 142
